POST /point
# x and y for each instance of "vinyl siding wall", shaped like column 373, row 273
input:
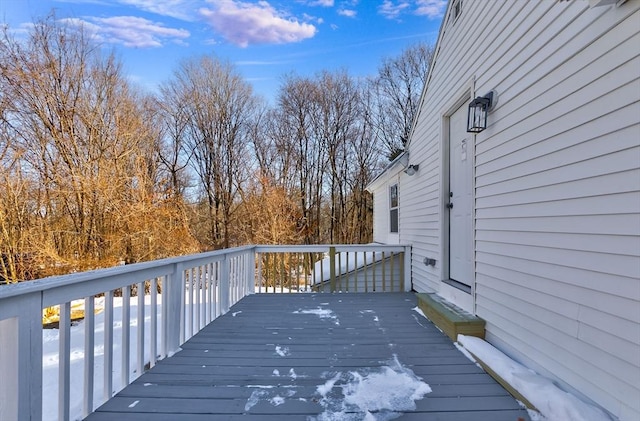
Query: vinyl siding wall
column 557, row 184
column 381, row 201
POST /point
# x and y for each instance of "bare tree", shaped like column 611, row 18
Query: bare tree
column 398, row 87
column 219, row 106
column 322, row 126
column 95, row 172
column 16, row 216
column 174, row 118
column 296, row 109
column 275, row 153
column 86, row 146
column 336, row 123
column 268, row 213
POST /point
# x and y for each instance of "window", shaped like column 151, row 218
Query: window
column 393, row 208
column 456, row 10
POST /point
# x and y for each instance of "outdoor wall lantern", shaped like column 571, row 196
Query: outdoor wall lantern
column 478, row 110
column 412, row 169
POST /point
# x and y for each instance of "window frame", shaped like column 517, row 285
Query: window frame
column 394, row 202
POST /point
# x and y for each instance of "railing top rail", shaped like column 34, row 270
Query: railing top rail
column 324, row 247
column 44, row 284
column 53, row 282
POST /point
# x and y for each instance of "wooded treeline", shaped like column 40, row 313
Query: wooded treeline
column 95, row 172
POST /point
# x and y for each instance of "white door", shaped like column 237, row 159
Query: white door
column 460, row 203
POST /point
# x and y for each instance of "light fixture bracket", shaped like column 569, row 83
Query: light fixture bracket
column 478, row 110
column 412, row 169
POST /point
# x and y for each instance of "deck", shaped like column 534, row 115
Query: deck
column 315, row 356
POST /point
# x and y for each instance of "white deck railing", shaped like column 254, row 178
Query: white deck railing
column 334, row 268
column 195, row 290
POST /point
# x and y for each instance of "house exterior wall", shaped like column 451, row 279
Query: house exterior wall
column 381, row 201
column 557, row 187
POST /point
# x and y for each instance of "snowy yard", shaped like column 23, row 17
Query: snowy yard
column 50, row 357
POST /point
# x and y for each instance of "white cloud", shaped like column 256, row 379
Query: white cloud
column 180, row 9
column 259, row 63
column 391, row 10
column 431, row 8
column 323, row 3
column 130, row 31
column 347, row 12
column 245, row 23
column 310, row 18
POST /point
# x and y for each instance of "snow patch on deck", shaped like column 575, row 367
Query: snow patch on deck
column 323, row 313
column 386, row 391
column 283, row 352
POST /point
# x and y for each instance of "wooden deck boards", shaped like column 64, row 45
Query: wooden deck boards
column 265, row 359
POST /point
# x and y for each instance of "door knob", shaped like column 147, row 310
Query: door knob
column 449, row 205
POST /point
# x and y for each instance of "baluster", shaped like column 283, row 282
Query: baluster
column 259, row 276
column 207, row 296
column 153, row 335
column 384, row 272
column 126, row 325
column 108, row 345
column 392, row 270
column 64, row 360
column 366, row 273
column 355, row 270
column 164, row 322
column 140, row 346
column 192, row 292
column 89, row 352
column 196, row 279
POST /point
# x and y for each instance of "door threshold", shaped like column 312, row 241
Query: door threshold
column 459, row 285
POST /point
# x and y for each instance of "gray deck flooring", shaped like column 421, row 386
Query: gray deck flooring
column 232, row 369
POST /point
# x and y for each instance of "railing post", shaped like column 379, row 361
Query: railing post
column 251, row 272
column 332, row 268
column 30, row 330
column 259, row 274
column 64, row 355
column 9, row 396
column 108, row 345
column 89, row 358
column 174, row 309
column 126, row 336
column 406, row 276
column 224, row 285
column 21, row 358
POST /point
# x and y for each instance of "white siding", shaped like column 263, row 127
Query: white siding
column 381, row 200
column 380, row 213
column 557, row 184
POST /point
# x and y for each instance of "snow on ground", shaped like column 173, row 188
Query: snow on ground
column 553, row 403
column 50, row 358
column 346, row 261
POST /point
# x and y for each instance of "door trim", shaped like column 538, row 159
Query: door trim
column 448, row 289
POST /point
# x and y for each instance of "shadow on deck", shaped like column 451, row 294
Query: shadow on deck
column 315, row 356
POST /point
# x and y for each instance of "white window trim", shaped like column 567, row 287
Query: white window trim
column 395, row 208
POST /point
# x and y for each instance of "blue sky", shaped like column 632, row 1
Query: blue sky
column 263, row 39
